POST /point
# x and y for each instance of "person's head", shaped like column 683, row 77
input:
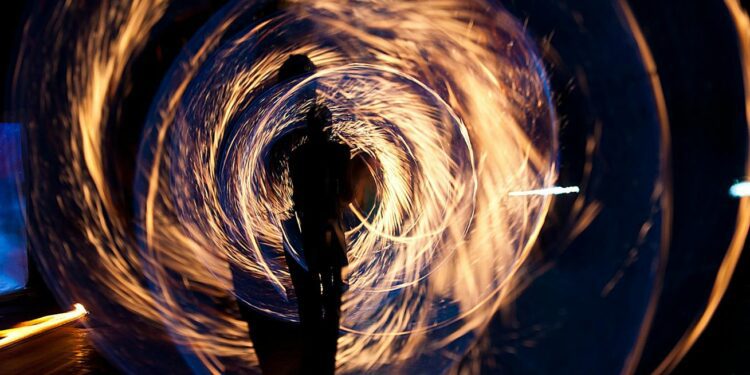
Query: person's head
column 295, row 66
column 298, row 66
column 318, row 118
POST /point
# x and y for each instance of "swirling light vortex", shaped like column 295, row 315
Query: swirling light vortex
column 447, row 100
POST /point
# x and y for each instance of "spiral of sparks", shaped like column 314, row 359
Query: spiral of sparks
column 447, row 102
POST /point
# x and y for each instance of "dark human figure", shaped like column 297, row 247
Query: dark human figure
column 320, row 172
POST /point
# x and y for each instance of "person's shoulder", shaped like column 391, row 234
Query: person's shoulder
column 341, row 148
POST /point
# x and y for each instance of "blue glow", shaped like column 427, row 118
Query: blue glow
column 740, row 189
column 13, row 257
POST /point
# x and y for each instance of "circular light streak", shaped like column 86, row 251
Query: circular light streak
column 447, row 103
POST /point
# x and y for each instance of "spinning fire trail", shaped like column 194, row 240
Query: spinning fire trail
column 447, row 105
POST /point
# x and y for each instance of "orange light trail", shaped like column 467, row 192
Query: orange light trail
column 31, row 328
column 662, row 190
column 448, row 99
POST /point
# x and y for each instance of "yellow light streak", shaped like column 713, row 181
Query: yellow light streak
column 662, row 190
column 31, row 328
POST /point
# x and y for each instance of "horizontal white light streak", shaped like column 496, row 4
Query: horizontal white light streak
column 556, row 190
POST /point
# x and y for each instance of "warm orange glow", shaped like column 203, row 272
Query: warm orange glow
column 446, row 231
column 662, row 191
column 449, row 99
column 23, row 331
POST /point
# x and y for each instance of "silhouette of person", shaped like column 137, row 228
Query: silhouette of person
column 320, row 174
column 319, row 169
